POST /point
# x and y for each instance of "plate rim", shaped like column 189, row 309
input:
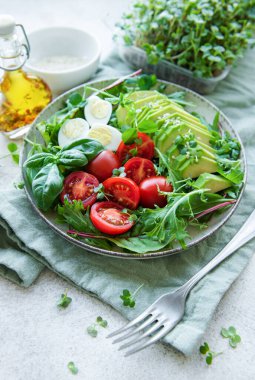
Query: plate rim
column 134, row 255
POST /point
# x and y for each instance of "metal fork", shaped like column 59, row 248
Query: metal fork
column 164, row 314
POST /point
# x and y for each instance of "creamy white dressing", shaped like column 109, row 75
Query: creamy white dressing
column 58, row 63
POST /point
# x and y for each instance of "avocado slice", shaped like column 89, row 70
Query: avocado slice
column 140, row 99
column 204, row 165
column 168, row 132
column 186, row 118
column 212, row 182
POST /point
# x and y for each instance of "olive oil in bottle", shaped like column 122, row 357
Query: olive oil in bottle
column 22, row 96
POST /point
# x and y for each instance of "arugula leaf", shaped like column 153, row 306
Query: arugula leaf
column 47, row 185
column 73, row 214
column 179, row 98
column 141, row 82
column 73, row 369
column 231, row 170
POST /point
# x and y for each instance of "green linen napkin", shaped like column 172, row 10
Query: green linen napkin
column 27, row 243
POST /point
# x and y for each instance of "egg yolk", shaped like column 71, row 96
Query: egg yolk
column 101, row 134
column 99, row 108
column 72, row 130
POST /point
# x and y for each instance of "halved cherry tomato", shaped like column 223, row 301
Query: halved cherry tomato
column 108, row 217
column 138, row 169
column 80, row 186
column 145, row 149
column 103, row 164
column 123, row 191
column 149, row 191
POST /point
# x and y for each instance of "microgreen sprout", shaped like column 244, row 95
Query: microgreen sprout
column 231, row 334
column 19, row 185
column 120, row 172
column 210, row 355
column 72, row 368
column 128, row 298
column 64, row 301
column 99, row 190
column 203, row 36
column 13, row 152
column 92, row 329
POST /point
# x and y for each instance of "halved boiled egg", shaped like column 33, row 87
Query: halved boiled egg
column 97, row 110
column 108, row 136
column 72, row 130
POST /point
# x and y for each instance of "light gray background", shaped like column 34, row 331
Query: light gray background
column 37, row 340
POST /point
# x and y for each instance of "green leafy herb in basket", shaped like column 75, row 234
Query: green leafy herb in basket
column 204, row 36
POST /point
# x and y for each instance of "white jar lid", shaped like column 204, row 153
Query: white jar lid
column 7, row 24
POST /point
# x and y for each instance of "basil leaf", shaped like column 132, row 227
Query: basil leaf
column 148, row 126
column 129, row 135
column 72, row 158
column 39, row 160
column 47, row 185
column 88, row 146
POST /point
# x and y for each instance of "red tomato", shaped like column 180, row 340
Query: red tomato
column 145, row 149
column 80, row 186
column 108, row 217
column 138, row 168
column 149, row 191
column 123, row 191
column 103, row 164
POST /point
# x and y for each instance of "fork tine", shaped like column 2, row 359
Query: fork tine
column 146, row 323
column 151, row 330
column 138, row 319
column 162, row 332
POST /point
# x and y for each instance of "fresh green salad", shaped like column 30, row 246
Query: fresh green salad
column 129, row 166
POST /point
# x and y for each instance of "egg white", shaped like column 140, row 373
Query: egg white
column 97, row 110
column 109, row 137
column 72, row 130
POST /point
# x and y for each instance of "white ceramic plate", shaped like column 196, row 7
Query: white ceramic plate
column 203, row 107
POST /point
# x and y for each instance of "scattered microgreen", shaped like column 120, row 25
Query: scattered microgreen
column 64, row 301
column 14, row 151
column 92, row 329
column 99, row 190
column 101, row 322
column 128, row 298
column 120, row 172
column 133, row 152
column 19, row 185
column 231, row 334
column 210, row 355
column 72, row 368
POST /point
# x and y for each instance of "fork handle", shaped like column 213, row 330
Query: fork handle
column 245, row 234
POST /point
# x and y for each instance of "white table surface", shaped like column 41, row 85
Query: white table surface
column 37, row 340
